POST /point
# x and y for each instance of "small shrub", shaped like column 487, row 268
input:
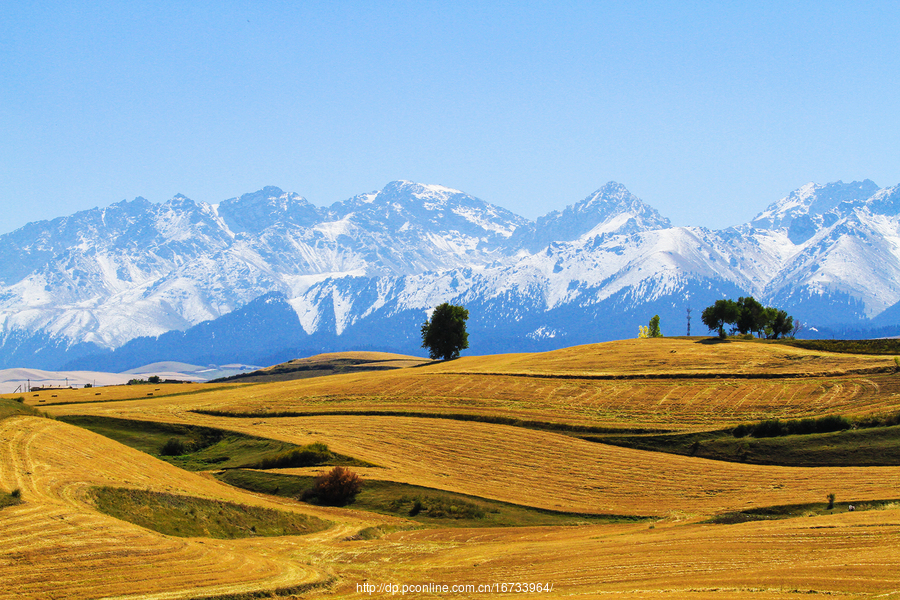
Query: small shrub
column 832, row 423
column 11, row 499
column 768, row 428
column 831, row 498
column 416, row 507
column 20, row 399
column 337, row 487
column 174, row 447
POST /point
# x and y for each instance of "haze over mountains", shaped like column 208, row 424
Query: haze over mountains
column 268, row 276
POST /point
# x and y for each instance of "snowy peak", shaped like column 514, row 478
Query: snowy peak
column 613, row 201
column 611, row 209
column 412, row 210
column 270, row 206
column 885, row 202
column 812, row 207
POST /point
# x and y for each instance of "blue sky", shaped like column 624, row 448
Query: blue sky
column 707, row 112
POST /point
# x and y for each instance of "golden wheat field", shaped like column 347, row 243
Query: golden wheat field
column 707, row 385
column 57, row 545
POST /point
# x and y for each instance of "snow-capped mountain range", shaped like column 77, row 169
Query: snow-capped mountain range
column 268, row 274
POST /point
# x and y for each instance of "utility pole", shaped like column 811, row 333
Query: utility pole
column 689, row 321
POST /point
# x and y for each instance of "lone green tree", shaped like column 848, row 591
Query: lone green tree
column 445, row 334
column 654, row 331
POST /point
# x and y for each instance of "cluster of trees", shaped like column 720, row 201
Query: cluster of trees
column 652, row 330
column 748, row 316
column 136, row 381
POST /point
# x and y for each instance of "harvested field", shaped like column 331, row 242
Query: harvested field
column 553, row 471
column 843, row 556
column 674, row 404
column 675, row 356
column 329, row 364
column 557, row 472
column 56, row 544
column 653, row 384
column 697, row 390
column 113, row 393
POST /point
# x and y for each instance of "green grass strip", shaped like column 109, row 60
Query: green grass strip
column 198, row 448
column 188, row 516
column 427, row 506
column 790, row 511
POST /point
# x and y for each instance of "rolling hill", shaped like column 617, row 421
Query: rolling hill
column 514, row 429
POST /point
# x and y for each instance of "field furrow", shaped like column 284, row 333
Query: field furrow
column 56, row 545
column 558, row 472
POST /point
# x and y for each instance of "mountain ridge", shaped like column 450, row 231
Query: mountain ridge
column 94, row 281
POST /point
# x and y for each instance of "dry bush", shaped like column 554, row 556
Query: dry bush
column 337, row 487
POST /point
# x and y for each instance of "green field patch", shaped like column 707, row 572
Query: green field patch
column 428, row 506
column 188, row 516
column 865, row 447
column 790, row 511
column 197, row 448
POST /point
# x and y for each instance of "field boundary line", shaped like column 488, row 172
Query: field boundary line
column 656, row 376
column 493, row 420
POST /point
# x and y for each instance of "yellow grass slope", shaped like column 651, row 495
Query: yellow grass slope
column 843, row 556
column 385, row 359
column 848, row 555
column 673, row 356
column 557, row 472
column 561, row 387
column 57, row 545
